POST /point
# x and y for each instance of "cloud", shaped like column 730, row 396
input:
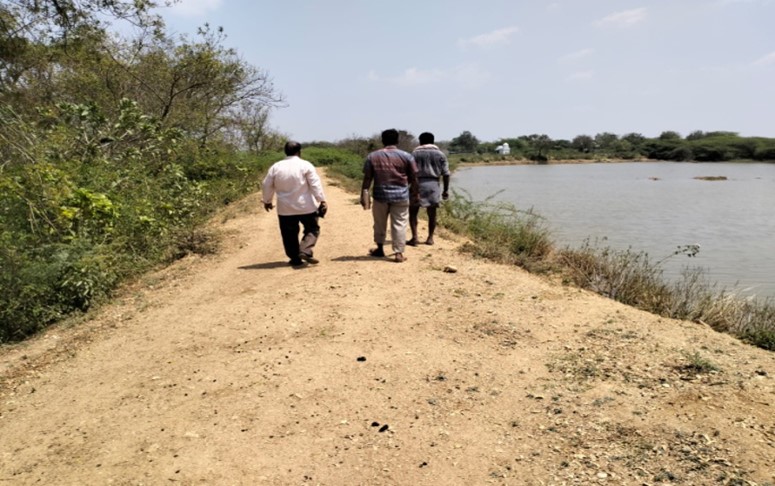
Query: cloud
column 625, row 18
column 724, row 3
column 575, row 56
column 414, row 77
column 471, row 76
column 466, row 76
column 494, row 38
column 581, row 76
column 195, row 8
column 410, row 77
column 767, row 60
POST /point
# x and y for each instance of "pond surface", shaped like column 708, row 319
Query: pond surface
column 653, row 207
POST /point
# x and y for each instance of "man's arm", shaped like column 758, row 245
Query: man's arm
column 445, row 176
column 414, row 183
column 368, row 177
column 268, row 190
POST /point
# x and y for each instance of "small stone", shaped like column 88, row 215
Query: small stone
column 361, row 358
column 450, row 269
column 602, row 475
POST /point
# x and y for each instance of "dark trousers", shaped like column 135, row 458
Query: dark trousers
column 289, row 229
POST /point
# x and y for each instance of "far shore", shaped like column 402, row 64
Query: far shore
column 549, row 162
column 586, row 161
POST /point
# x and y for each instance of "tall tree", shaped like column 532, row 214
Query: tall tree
column 583, row 143
column 465, row 142
column 200, row 86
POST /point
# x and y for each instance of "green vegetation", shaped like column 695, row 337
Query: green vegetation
column 499, row 231
column 113, row 152
column 698, row 146
column 696, row 364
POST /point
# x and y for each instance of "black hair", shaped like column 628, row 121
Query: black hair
column 292, row 148
column 390, row 137
column 426, row 138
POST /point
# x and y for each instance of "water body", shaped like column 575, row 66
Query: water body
column 653, row 207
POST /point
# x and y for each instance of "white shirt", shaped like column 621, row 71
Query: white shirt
column 297, row 185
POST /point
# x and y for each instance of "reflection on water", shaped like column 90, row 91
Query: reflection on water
column 653, row 207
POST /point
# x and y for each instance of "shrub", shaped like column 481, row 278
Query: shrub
column 498, row 230
column 631, row 278
column 627, row 276
column 88, row 201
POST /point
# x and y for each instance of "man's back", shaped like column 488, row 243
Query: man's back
column 431, row 161
column 296, row 184
column 391, row 168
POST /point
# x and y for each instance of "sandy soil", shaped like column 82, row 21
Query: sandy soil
column 237, row 369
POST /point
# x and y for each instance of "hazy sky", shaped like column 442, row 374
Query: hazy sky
column 505, row 68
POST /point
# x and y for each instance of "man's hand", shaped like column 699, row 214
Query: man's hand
column 268, row 206
column 322, row 209
column 365, row 199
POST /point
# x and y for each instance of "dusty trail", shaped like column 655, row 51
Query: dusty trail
column 237, row 369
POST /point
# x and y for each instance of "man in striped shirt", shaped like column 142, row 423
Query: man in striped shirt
column 432, row 165
column 394, row 174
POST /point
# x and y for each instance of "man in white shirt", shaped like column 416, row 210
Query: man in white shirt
column 300, row 199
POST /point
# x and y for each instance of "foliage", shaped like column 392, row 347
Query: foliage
column 697, row 146
column 342, row 164
column 113, row 152
column 466, row 142
column 697, row 364
column 632, row 278
column 498, row 230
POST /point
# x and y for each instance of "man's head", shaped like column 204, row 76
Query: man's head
column 426, row 138
column 390, row 137
column 292, row 148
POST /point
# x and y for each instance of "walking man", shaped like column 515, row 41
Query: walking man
column 432, row 164
column 394, row 174
column 300, row 199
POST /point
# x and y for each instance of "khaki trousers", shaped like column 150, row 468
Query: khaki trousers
column 399, row 217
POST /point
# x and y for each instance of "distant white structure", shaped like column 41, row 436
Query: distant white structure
column 503, row 149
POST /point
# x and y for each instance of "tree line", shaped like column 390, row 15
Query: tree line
column 698, row 146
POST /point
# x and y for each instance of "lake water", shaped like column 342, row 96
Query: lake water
column 653, row 207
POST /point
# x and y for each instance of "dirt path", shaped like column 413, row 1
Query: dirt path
column 237, row 369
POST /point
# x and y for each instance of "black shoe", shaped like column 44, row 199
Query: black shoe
column 295, row 263
column 309, row 258
column 377, row 252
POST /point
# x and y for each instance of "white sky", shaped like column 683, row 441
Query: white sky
column 505, row 68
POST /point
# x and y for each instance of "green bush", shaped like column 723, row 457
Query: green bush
column 95, row 200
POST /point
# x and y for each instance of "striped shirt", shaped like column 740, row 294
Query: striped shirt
column 391, row 169
column 431, row 162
